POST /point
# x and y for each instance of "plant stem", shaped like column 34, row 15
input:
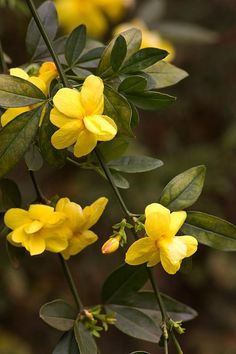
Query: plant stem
column 2, row 60
column 48, row 43
column 128, row 215
column 71, row 282
column 40, row 196
column 176, row 343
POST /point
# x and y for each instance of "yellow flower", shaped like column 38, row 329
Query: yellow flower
column 79, row 117
column 161, row 244
column 111, row 245
column 93, row 13
column 149, row 38
column 47, row 73
column 38, row 229
column 79, row 222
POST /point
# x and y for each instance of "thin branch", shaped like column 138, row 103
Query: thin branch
column 40, row 196
column 47, row 40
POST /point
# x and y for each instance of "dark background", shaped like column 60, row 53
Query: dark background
column 199, row 128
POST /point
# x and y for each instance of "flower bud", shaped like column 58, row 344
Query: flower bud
column 111, row 245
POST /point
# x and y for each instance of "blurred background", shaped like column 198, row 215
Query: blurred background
column 200, row 128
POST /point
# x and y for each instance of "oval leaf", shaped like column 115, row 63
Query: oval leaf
column 17, row 92
column 143, row 59
column 123, row 281
column 75, row 45
column 211, row 231
column 119, row 180
column 118, row 108
column 150, row 100
column 16, row 138
column 164, row 74
column 55, row 158
column 133, row 84
column 184, row 189
column 84, row 339
column 67, row 344
column 35, row 43
column 118, row 53
column 135, row 323
column 135, row 164
column 58, row 314
column 33, row 158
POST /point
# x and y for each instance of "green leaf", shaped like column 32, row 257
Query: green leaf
column 133, row 38
column 17, row 92
column 164, row 74
column 118, row 53
column 10, row 196
column 67, row 344
column 119, row 180
column 91, row 55
column 58, row 314
column 146, row 301
column 81, row 73
column 183, row 190
column 16, row 138
column 135, row 323
column 84, row 338
column 75, row 45
column 150, row 100
column 133, row 84
column 143, row 59
column 113, row 149
column 118, row 108
column 123, row 281
column 135, row 116
column 135, row 164
column 34, row 42
column 33, row 158
column 55, row 158
column 210, row 231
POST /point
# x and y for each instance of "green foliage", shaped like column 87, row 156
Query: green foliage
column 17, row 92
column 16, row 137
column 75, row 45
column 10, row 196
column 135, row 164
column 113, row 149
column 211, row 230
column 67, row 344
column 118, row 108
column 58, row 314
column 184, row 189
column 55, row 158
column 133, row 84
column 163, row 74
column 84, row 339
column 33, row 158
column 34, row 42
column 150, row 100
column 118, row 53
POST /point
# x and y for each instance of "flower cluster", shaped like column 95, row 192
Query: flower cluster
column 47, row 72
column 79, row 117
column 161, row 244
column 93, row 13
column 63, row 229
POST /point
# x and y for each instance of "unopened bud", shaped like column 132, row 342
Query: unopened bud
column 111, row 245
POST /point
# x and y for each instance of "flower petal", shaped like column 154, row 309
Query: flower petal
column 12, row 113
column 59, row 119
column 66, row 135
column 19, row 73
column 154, row 259
column 73, row 213
column 157, row 220
column 38, row 82
column 56, row 244
column 36, row 245
column 18, row 235
column 41, row 212
column 141, row 251
column 16, row 217
column 93, row 212
column 85, row 143
column 103, row 126
column 33, row 227
column 190, row 243
column 67, row 101
column 78, row 242
column 177, row 218
column 91, row 95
